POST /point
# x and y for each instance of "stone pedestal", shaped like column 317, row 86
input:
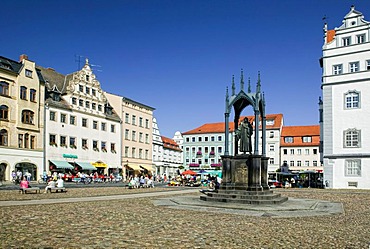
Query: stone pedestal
column 264, row 173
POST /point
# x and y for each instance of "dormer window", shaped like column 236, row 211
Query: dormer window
column 28, row 73
column 306, row 139
column 288, row 139
column 87, row 77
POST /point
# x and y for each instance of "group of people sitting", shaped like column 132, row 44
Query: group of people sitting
column 54, row 184
column 140, row 182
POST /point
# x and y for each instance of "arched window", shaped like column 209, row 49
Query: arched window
column 27, row 117
column 352, row 100
column 4, row 111
column 4, row 88
column 3, row 137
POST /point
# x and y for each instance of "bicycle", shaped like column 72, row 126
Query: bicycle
column 43, row 180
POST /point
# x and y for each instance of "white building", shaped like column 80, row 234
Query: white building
column 157, row 149
column 346, row 103
column 82, row 130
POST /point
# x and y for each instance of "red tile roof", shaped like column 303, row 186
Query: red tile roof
column 169, row 143
column 220, row 127
column 330, row 34
column 297, row 132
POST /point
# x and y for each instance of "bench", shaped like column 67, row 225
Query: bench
column 29, row 190
column 56, row 190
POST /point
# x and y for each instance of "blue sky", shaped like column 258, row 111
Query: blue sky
column 179, row 56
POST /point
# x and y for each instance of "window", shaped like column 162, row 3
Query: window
column 271, row 134
column 87, row 89
column 272, row 147
column 52, row 139
column 72, row 120
column 141, row 122
column 74, row 101
column 87, row 104
column 140, row 137
column 126, row 151
column 28, row 73
column 219, row 138
column 353, row 167
column 126, row 134
column 63, row 118
column 361, row 38
column 103, row 126
column 32, row 142
column 23, row 92
column 81, row 88
column 306, row 139
column 346, row 41
column 307, row 163
column 99, row 108
column 52, row 116
column 285, row 151
column 292, row 151
column 315, row 163
column 113, row 147
column 299, row 151
column 288, row 139
column 212, row 139
column 338, row 69
column 127, row 118
column 354, row 67
column 307, row 151
column 299, row 163
column 193, row 139
column 84, row 122
column 3, row 137
column 133, row 136
column 81, row 102
column 72, row 142
column 95, row 125
column 315, row 151
column 95, row 145
column 84, row 144
column 291, row 163
column 205, row 139
column 352, row 138
column 4, row 88
column 32, row 95
column 4, row 112
column 367, row 66
column 63, row 141
column 352, row 100
column 140, row 153
column 146, row 138
column 93, row 92
column 146, row 154
column 112, row 128
column 133, row 152
column 220, row 150
column 104, row 146
column 272, row 160
column 147, row 123
column 87, row 79
column 27, row 117
column 26, row 140
column 133, row 120
column 93, row 106
column 20, row 140
column 187, row 140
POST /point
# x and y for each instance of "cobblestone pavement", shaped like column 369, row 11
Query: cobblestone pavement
column 137, row 223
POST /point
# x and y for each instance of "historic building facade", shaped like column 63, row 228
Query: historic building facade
column 82, row 130
column 299, row 148
column 137, row 135
column 204, row 145
column 346, row 103
column 21, row 118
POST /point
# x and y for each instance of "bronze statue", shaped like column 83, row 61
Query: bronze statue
column 244, row 133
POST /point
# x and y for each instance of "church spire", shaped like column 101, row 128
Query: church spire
column 233, row 87
column 259, row 83
column 241, row 80
column 249, row 85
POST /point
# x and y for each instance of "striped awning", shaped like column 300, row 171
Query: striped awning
column 86, row 166
column 61, row 164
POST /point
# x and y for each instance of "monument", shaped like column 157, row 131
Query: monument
column 244, row 174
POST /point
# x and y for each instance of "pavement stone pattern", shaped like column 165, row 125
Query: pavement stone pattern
column 138, row 223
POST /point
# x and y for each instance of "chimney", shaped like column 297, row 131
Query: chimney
column 23, row 56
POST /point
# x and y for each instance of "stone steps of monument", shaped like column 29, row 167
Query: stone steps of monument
column 277, row 200
column 243, row 196
column 245, row 192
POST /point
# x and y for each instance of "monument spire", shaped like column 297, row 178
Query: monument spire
column 249, row 85
column 233, row 87
column 259, row 83
column 241, row 80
